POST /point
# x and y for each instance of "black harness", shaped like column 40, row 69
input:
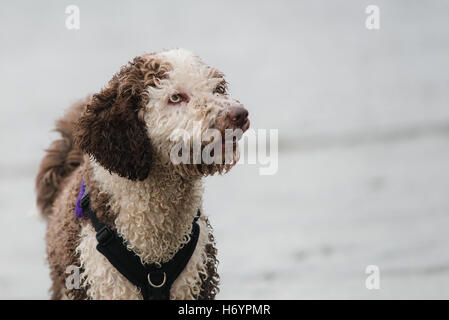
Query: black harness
column 153, row 280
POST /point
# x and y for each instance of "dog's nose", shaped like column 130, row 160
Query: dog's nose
column 238, row 116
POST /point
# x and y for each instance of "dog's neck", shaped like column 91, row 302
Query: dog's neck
column 154, row 216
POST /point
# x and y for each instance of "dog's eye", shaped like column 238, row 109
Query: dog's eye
column 220, row 89
column 176, row 98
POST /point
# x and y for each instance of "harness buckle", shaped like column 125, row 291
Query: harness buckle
column 157, row 285
column 104, row 236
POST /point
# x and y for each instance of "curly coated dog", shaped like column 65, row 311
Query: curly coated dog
column 120, row 143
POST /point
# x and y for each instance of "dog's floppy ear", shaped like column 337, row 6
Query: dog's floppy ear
column 112, row 129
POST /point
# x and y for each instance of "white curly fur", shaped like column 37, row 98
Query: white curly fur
column 105, row 282
column 155, row 218
column 204, row 109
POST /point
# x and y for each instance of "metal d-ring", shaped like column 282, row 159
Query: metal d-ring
column 159, row 285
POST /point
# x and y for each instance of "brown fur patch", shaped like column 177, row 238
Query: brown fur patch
column 60, row 160
column 63, row 230
column 112, row 129
column 209, row 287
column 62, row 237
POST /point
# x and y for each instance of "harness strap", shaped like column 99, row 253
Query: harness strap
column 153, row 280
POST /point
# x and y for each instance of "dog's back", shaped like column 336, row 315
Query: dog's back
column 60, row 160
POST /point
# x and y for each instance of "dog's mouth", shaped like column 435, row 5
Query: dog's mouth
column 224, row 151
column 217, row 152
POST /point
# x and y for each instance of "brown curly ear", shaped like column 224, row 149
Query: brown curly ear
column 112, row 129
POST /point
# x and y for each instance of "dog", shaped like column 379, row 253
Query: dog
column 119, row 142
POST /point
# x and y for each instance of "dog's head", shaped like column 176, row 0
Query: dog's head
column 166, row 107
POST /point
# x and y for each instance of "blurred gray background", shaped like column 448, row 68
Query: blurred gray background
column 363, row 120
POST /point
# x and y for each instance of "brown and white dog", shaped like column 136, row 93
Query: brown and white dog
column 120, row 141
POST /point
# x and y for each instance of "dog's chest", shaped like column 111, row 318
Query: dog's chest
column 155, row 218
column 103, row 281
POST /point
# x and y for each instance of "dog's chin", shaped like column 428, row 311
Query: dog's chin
column 220, row 164
column 229, row 157
column 221, row 157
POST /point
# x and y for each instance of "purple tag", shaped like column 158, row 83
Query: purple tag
column 79, row 213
